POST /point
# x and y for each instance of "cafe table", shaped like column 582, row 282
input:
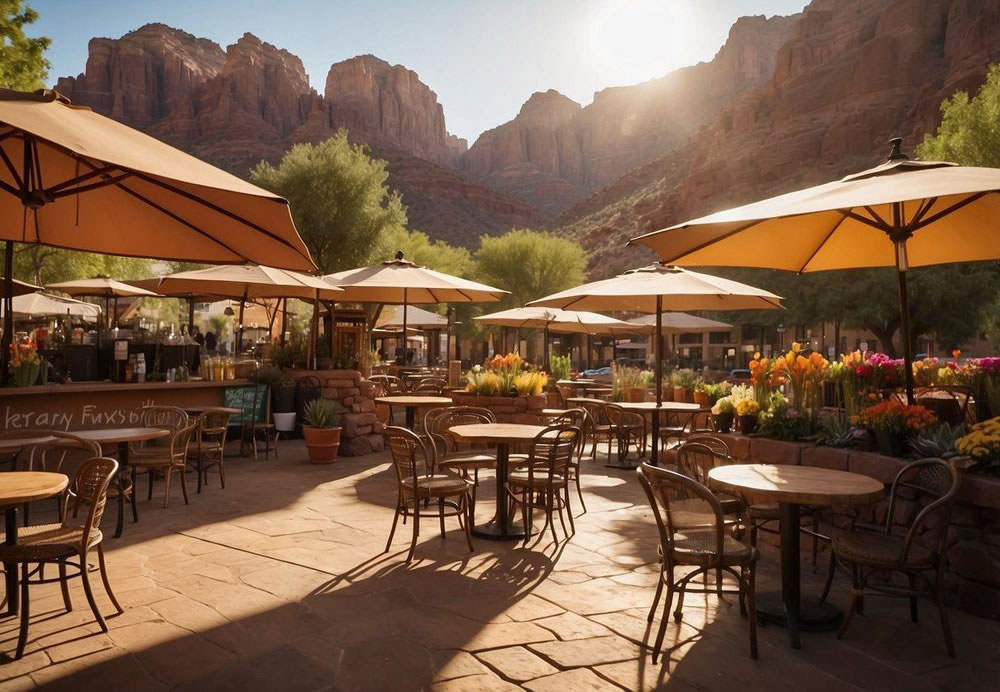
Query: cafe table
column 644, row 408
column 105, row 437
column 198, row 410
column 503, row 435
column 412, row 403
column 18, row 488
column 793, row 486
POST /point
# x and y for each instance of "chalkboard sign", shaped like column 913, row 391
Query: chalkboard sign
column 243, row 398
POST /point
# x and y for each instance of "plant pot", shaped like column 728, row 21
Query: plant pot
column 323, row 444
column 283, row 398
column 748, row 424
column 667, row 392
column 284, row 422
column 681, row 395
column 701, row 398
column 723, row 422
column 889, row 443
column 636, row 394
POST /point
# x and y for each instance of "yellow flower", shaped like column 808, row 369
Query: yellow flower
column 796, row 346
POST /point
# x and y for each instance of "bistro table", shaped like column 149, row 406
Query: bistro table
column 792, row 486
column 122, row 437
column 648, row 407
column 198, row 410
column 503, row 435
column 18, row 488
column 412, row 403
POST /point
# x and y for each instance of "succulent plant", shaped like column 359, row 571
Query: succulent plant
column 322, row 413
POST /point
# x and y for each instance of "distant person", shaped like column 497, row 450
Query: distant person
column 198, row 336
column 211, row 341
column 409, row 356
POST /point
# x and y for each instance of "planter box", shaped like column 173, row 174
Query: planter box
column 825, row 458
column 767, row 451
column 879, row 467
column 525, row 409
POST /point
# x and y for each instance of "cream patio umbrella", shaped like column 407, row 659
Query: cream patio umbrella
column 45, row 305
column 556, row 320
column 17, row 288
column 101, row 287
column 401, row 282
column 902, row 213
column 74, row 179
column 247, row 282
column 678, row 323
column 657, row 287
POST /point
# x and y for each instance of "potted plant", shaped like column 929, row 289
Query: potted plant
column 321, row 431
column 683, row 381
column 722, row 415
column 701, row 396
column 628, row 384
column 25, row 364
column 891, row 421
column 747, row 412
column 667, row 387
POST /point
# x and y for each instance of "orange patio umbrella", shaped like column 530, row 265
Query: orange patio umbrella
column 902, row 213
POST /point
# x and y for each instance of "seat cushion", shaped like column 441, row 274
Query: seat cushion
column 878, row 549
column 47, row 541
column 438, row 485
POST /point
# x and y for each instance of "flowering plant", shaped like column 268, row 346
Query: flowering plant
column 982, row 443
column 530, row 383
column 625, row 378
column 502, row 376
column 25, row 363
column 763, row 376
column 805, row 375
column 747, row 407
column 894, row 416
column 782, row 421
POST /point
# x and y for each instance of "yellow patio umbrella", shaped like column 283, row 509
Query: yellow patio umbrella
column 101, row 287
column 652, row 289
column 74, row 179
column 401, row 282
column 902, row 213
column 247, row 282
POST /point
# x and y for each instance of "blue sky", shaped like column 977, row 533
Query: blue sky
column 484, row 59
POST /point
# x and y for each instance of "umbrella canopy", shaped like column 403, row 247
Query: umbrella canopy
column 679, row 323
column 392, row 318
column 101, row 287
column 655, row 287
column 17, row 288
column 901, row 214
column 47, row 305
column 557, row 320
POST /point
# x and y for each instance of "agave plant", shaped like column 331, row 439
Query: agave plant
column 937, row 442
column 322, row 413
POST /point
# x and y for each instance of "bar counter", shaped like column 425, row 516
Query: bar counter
column 93, row 405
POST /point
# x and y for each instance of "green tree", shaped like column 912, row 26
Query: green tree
column 970, row 128
column 22, row 59
column 339, row 198
column 435, row 254
column 529, row 264
column 40, row 264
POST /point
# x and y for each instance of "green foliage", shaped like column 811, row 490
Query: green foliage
column 22, row 59
column 938, row 441
column 529, row 264
column 836, row 431
column 339, row 199
column 434, row 254
column 560, row 367
column 40, row 264
column 970, row 128
column 269, row 375
column 683, row 377
column 322, row 413
column 220, row 325
column 782, row 421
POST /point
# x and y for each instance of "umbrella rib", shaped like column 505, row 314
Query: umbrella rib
column 11, row 168
column 9, row 188
column 820, row 245
column 93, row 186
column 925, row 207
column 949, row 210
column 865, row 220
column 59, row 187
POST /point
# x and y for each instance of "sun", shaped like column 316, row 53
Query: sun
column 641, row 39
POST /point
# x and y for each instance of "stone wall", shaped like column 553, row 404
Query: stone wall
column 362, row 431
column 507, row 409
column 973, row 545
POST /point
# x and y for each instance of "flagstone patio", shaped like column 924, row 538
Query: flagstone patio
column 279, row 582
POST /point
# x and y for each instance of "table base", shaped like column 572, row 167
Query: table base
column 814, row 615
column 493, row 531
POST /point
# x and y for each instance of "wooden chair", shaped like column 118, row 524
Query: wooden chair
column 66, row 541
column 51, row 457
column 169, row 418
column 254, row 430
column 543, row 481
column 695, row 539
column 578, row 418
column 870, row 554
column 210, row 439
column 627, row 428
column 417, row 483
column 950, row 403
column 447, row 452
column 716, row 444
column 172, row 460
column 433, row 386
column 677, row 426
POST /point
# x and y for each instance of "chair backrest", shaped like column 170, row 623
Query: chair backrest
column 596, row 412
column 390, row 383
column 410, row 455
column 716, row 444
column 90, row 487
column 552, row 450
column 616, row 415
column 578, row 418
column 52, row 455
column 179, row 442
column 933, row 479
column 662, row 486
column 168, row 417
column 212, row 426
column 949, row 402
column 695, row 460
column 429, row 386
column 437, row 423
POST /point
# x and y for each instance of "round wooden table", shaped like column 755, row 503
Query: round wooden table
column 650, row 408
column 792, row 486
column 198, row 410
column 10, row 445
column 18, row 488
column 412, row 403
column 122, row 437
column 503, row 435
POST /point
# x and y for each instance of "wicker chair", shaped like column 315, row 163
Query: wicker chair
column 413, row 461
column 210, row 439
column 871, row 554
column 600, row 430
column 677, row 426
column 433, row 386
column 391, row 384
column 173, row 459
column 627, row 427
column 51, row 457
column 447, row 454
column 696, row 540
column 169, row 418
column 60, row 543
column 579, row 418
column 716, row 444
column 543, row 481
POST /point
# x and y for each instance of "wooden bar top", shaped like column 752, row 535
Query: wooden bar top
column 85, row 387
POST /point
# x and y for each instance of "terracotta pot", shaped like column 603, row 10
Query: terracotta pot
column 748, row 424
column 323, row 444
column 667, row 392
column 701, row 398
column 635, row 394
column 681, row 395
column 723, row 422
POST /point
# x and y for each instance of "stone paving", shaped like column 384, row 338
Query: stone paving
column 279, row 582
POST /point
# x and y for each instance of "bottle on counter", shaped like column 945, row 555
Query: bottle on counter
column 140, row 367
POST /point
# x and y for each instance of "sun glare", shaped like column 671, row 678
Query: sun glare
column 637, row 40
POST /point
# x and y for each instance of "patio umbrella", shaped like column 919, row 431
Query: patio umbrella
column 47, row 305
column 74, row 179
column 15, row 288
column 400, row 282
column 678, row 323
column 101, row 287
column 655, row 287
column 556, row 320
column 902, row 213
column 246, row 282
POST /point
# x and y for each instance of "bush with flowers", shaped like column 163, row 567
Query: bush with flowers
column 982, row 445
column 25, row 364
column 782, row 421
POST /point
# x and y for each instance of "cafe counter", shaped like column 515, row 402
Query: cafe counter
column 93, row 405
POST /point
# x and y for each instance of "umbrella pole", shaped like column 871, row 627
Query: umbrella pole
column 658, row 376
column 313, row 328
column 284, row 319
column 589, row 349
column 333, row 328
column 8, row 310
column 904, row 313
column 191, row 316
column 404, row 327
column 614, row 348
column 545, row 347
column 116, row 312
column 239, row 338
